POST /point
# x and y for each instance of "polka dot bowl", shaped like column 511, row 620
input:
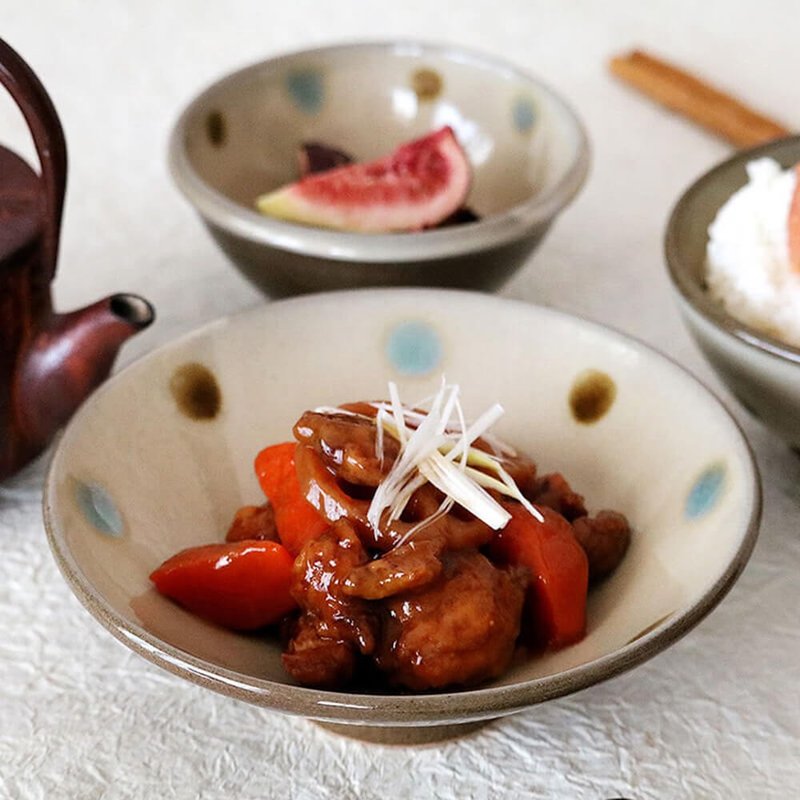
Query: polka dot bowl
column 160, row 458
column 240, row 137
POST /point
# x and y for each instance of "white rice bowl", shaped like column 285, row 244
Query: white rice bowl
column 748, row 268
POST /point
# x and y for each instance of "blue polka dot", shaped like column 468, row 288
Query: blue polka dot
column 706, row 491
column 524, row 115
column 98, row 508
column 414, row 348
column 306, row 89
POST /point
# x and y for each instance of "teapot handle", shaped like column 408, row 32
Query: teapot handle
column 48, row 137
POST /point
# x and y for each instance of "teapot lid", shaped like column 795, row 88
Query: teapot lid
column 20, row 204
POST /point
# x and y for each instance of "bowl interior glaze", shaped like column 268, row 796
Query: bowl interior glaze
column 161, row 457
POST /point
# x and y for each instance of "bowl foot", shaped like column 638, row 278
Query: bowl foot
column 405, row 735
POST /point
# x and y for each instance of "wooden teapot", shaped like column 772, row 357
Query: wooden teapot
column 49, row 362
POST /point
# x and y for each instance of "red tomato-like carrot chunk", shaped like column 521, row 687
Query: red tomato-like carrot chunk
column 296, row 519
column 556, row 603
column 239, row 585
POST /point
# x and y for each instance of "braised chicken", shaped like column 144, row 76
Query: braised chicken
column 402, row 547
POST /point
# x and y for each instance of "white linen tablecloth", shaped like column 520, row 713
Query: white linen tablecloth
column 715, row 716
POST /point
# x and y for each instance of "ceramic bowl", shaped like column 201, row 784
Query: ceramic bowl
column 240, row 137
column 161, row 457
column 761, row 371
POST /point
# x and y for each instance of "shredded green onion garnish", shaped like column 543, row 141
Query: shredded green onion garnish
column 436, row 447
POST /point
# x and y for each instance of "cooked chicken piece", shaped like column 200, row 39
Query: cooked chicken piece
column 605, row 539
column 314, row 661
column 347, row 445
column 407, row 567
column 319, row 574
column 253, row 522
column 554, row 492
column 458, row 529
column 459, row 630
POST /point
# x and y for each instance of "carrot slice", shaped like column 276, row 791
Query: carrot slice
column 239, row 585
column 555, row 613
column 296, row 520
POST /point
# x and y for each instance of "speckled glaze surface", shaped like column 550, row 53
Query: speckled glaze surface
column 650, row 441
column 240, row 137
column 763, row 372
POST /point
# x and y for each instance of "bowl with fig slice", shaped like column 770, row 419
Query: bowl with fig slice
column 378, row 164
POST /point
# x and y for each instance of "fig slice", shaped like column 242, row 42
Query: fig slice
column 417, row 186
column 794, row 225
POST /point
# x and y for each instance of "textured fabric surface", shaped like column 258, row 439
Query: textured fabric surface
column 715, row 716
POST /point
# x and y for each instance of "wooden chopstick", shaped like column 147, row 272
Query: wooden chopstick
column 679, row 91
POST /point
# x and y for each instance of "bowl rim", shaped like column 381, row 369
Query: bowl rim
column 680, row 271
column 411, row 710
column 492, row 231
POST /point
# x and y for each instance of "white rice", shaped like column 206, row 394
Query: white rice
column 748, row 267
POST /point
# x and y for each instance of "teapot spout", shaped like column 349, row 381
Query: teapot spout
column 69, row 358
